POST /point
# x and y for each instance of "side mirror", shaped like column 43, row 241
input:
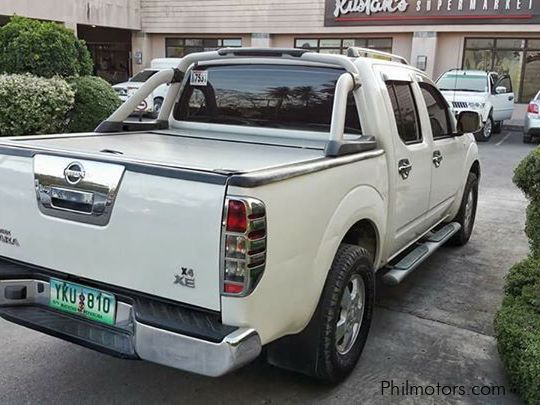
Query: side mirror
column 501, row 90
column 468, row 122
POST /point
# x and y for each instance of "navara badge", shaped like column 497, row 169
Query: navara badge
column 74, row 173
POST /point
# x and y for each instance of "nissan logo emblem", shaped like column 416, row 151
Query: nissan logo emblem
column 74, row 173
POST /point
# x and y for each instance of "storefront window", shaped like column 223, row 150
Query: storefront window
column 478, row 59
column 512, row 56
column 179, row 47
column 531, row 84
column 511, row 63
column 339, row 46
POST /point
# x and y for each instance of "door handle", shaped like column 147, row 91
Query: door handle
column 404, row 168
column 510, row 98
column 437, row 158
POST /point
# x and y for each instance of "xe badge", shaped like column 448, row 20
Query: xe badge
column 186, row 278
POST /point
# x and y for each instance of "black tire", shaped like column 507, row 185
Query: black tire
column 497, row 127
column 527, row 138
column 466, row 221
column 314, row 351
column 485, row 133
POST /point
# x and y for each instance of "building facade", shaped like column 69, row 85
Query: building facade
column 435, row 35
column 107, row 27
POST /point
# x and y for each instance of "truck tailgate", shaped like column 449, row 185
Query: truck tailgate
column 148, row 233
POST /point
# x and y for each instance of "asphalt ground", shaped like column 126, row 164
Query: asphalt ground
column 433, row 332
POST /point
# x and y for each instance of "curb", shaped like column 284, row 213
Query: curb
column 513, row 128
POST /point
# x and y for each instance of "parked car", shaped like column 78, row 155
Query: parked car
column 487, row 93
column 254, row 212
column 531, row 126
column 152, row 104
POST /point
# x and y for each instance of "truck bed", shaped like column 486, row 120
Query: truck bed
column 210, row 153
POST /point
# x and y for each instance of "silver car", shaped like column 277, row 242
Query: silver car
column 532, row 120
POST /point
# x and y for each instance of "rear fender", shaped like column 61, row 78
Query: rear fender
column 362, row 203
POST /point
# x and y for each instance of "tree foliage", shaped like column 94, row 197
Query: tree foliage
column 43, row 49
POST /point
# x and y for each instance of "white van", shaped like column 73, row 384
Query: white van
column 152, row 104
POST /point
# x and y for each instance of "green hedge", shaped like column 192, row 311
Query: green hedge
column 518, row 329
column 95, row 100
column 33, row 105
column 517, row 323
column 43, row 49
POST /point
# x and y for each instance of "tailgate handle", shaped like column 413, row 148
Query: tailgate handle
column 72, row 200
column 82, row 202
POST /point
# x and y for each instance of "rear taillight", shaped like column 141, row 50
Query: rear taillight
column 533, row 108
column 244, row 245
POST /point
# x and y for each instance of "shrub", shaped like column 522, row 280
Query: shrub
column 527, row 175
column 95, row 100
column 517, row 323
column 518, row 329
column 33, row 105
column 44, row 49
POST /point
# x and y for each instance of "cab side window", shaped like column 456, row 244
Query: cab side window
column 439, row 114
column 505, row 82
column 405, row 111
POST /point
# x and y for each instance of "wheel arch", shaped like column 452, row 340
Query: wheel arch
column 364, row 233
column 475, row 168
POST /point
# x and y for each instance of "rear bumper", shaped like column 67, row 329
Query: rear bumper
column 144, row 329
column 532, row 125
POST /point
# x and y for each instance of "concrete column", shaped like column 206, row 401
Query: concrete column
column 260, row 40
column 141, row 49
column 72, row 25
column 424, row 48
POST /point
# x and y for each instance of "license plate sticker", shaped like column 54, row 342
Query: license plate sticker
column 84, row 301
column 199, row 78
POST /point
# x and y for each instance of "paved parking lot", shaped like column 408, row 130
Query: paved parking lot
column 436, row 328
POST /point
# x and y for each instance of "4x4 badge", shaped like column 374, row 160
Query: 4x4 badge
column 186, row 278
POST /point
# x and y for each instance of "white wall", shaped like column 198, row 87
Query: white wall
column 107, row 13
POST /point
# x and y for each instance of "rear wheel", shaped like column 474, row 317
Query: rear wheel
column 527, row 138
column 497, row 127
column 330, row 346
column 346, row 309
column 467, row 212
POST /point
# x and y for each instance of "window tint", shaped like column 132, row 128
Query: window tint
column 275, row 96
column 437, row 111
column 405, row 111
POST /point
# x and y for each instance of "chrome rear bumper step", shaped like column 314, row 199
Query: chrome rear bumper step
column 433, row 241
column 107, row 340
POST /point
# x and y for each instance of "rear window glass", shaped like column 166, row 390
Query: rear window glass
column 143, row 76
column 274, row 96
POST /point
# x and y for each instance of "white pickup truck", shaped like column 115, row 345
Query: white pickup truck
column 254, row 212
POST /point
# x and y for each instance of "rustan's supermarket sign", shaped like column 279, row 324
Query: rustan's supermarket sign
column 429, row 12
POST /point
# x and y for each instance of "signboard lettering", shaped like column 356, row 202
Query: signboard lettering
column 417, row 12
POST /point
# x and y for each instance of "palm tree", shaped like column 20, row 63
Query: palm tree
column 305, row 94
column 281, row 94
